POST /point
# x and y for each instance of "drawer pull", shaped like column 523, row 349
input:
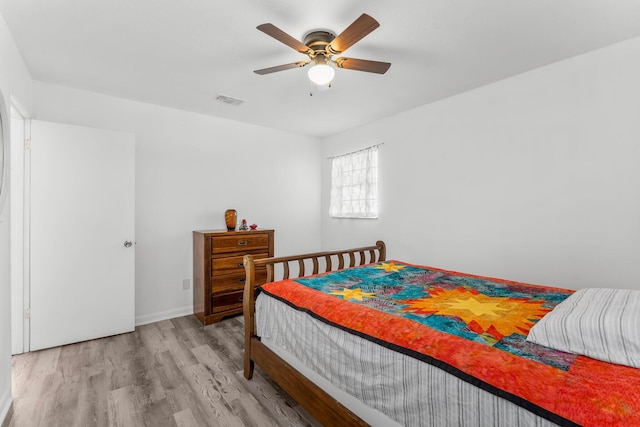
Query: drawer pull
column 241, row 280
column 240, row 299
column 242, row 243
column 240, row 265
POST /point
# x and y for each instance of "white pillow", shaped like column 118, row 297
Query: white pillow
column 603, row 324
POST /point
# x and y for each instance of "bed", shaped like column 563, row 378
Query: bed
column 358, row 339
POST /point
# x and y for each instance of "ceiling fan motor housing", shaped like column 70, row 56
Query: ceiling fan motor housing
column 318, row 39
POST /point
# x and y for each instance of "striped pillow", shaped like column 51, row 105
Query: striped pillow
column 603, row 324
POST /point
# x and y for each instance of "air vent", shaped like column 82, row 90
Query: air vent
column 229, row 100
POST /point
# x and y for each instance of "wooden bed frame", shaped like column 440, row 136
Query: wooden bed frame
column 316, row 401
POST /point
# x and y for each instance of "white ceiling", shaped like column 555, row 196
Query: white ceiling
column 183, row 54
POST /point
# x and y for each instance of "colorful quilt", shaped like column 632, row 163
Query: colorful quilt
column 475, row 328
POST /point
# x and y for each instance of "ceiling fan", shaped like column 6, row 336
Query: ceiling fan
column 321, row 45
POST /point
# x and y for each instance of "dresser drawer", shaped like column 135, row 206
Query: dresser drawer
column 231, row 264
column 226, row 302
column 235, row 282
column 242, row 242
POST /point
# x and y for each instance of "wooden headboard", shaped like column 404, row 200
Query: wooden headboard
column 322, row 262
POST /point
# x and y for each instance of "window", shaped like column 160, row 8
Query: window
column 354, row 184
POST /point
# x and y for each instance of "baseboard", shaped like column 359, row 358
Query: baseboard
column 164, row 315
column 6, row 409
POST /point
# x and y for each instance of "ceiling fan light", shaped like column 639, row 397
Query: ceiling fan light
column 321, row 74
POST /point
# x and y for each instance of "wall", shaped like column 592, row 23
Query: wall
column 15, row 81
column 534, row 178
column 189, row 169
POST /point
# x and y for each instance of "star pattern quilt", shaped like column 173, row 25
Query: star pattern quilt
column 475, row 328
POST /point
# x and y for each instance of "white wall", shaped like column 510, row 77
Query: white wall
column 534, row 178
column 15, row 81
column 190, row 168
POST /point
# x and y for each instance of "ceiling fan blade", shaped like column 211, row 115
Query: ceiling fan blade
column 281, row 36
column 352, row 34
column 281, row 67
column 363, row 65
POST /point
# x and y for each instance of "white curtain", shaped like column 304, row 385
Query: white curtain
column 354, row 184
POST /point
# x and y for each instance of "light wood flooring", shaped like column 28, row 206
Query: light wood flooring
column 170, row 373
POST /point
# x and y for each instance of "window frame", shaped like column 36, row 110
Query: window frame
column 357, row 199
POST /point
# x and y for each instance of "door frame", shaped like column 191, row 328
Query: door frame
column 20, row 226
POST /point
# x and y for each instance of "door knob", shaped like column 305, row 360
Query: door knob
column 128, row 244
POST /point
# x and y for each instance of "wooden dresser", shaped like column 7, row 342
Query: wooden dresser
column 218, row 272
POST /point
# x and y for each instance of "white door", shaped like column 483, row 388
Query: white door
column 82, row 213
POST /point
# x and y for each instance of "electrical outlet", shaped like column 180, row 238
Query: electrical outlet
column 186, row 284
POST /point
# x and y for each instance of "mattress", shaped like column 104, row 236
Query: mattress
column 382, row 386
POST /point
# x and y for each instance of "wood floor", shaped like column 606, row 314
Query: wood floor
column 171, row 373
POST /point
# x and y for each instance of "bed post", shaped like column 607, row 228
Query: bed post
column 383, row 250
column 248, row 308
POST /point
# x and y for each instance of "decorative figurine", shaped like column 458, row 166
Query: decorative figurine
column 243, row 225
